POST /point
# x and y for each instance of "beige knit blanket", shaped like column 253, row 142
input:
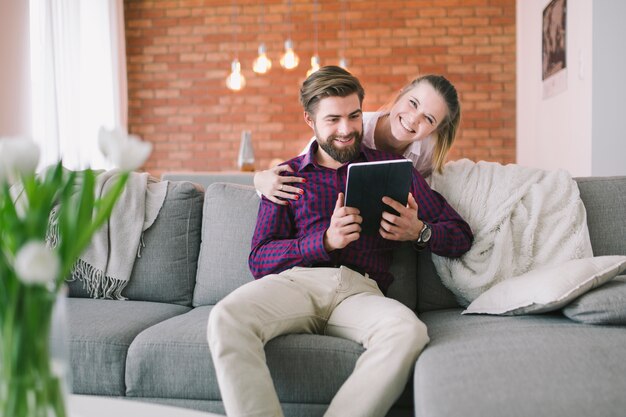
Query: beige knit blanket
column 522, row 218
column 106, row 265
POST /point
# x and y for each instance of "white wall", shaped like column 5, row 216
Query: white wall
column 554, row 132
column 14, row 68
column 581, row 129
column 608, row 153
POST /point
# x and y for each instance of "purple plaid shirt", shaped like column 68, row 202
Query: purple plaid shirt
column 293, row 235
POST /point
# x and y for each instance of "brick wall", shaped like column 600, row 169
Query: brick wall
column 179, row 54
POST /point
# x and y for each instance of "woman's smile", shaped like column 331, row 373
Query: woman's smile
column 406, row 125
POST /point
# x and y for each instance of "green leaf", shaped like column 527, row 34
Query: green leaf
column 87, row 198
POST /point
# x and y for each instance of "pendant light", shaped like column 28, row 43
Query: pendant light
column 315, row 59
column 289, row 60
column 315, row 65
column 235, row 80
column 262, row 64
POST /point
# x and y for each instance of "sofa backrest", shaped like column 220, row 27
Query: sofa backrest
column 229, row 218
column 206, row 178
column 228, row 221
column 166, row 270
column 605, row 203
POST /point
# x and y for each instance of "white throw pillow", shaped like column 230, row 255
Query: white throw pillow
column 549, row 288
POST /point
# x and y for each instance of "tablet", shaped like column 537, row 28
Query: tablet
column 369, row 182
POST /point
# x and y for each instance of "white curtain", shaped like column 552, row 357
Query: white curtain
column 78, row 76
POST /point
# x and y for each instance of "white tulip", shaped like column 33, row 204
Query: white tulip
column 18, row 158
column 126, row 152
column 35, row 263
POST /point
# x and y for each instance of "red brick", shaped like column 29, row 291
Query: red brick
column 462, row 11
column 433, row 12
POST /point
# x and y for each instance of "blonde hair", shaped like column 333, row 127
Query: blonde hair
column 446, row 131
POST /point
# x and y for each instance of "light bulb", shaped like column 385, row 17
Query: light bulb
column 289, row 60
column 343, row 63
column 315, row 65
column 235, row 80
column 262, row 63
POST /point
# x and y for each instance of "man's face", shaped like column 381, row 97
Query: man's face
column 338, row 126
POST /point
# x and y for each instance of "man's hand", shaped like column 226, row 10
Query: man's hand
column 345, row 226
column 406, row 226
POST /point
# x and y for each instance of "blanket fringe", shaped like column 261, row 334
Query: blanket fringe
column 97, row 284
column 142, row 244
column 52, row 234
column 94, row 280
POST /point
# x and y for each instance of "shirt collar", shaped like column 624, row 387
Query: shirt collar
column 309, row 156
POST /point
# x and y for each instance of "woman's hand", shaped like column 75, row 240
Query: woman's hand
column 274, row 186
column 406, row 226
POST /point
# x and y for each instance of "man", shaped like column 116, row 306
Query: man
column 319, row 275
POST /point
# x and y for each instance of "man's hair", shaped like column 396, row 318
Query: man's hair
column 328, row 81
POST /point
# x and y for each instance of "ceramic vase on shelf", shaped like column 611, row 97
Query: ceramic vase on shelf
column 245, row 161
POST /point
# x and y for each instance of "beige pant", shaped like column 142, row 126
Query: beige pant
column 332, row 301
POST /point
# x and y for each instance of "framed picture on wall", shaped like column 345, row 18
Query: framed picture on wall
column 554, row 48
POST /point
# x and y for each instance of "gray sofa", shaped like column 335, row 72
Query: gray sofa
column 153, row 346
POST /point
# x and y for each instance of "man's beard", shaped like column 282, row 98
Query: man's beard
column 341, row 155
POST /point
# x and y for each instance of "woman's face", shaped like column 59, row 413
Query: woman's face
column 417, row 113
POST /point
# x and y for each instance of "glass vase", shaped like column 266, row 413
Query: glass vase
column 32, row 373
column 245, row 160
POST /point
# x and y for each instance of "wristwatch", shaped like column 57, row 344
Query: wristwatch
column 423, row 238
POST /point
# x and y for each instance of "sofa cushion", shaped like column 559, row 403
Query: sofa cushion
column 431, row 293
column 229, row 218
column 603, row 305
column 548, row 288
column 404, row 270
column 166, row 270
column 172, row 360
column 544, row 365
column 100, row 332
column 605, row 202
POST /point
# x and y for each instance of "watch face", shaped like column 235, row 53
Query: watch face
column 426, row 234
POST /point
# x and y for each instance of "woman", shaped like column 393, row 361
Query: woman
column 420, row 125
